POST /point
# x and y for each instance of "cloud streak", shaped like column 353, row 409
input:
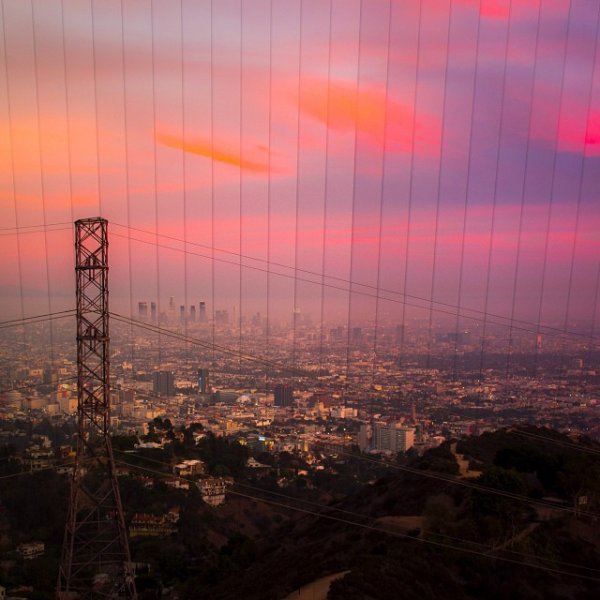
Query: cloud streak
column 219, row 153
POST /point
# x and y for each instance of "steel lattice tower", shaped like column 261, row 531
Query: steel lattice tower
column 95, row 560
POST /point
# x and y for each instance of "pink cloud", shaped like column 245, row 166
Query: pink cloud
column 344, row 107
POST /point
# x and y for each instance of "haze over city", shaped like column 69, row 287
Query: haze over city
column 336, row 284
column 443, row 150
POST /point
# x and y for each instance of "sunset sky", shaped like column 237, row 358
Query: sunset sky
column 444, row 149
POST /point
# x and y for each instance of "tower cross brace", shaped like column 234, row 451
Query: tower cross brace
column 95, row 561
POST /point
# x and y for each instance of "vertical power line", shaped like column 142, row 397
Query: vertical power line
column 495, row 195
column 96, row 108
column 523, row 186
column 591, row 345
column 270, row 126
column 212, row 180
column 67, row 110
column 295, row 313
column 155, row 175
column 241, row 143
column 580, row 179
column 42, row 176
column 467, row 193
column 354, row 200
column 14, row 181
column 325, row 191
column 552, row 187
column 184, row 171
column 381, row 195
column 127, row 182
column 411, row 180
column 439, row 189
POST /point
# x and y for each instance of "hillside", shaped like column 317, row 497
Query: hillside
column 517, row 518
column 471, row 543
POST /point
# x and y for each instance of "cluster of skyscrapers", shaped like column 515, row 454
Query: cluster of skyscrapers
column 186, row 313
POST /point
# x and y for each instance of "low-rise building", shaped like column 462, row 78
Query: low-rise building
column 189, row 468
column 31, row 550
column 213, row 489
column 144, row 524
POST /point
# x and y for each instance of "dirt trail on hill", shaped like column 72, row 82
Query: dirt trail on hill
column 317, row 590
column 463, row 463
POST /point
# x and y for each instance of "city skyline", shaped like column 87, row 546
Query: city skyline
column 332, row 315
column 446, row 151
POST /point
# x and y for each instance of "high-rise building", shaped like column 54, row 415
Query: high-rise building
column 202, row 314
column 153, row 311
column 322, row 397
column 192, row 313
column 365, row 437
column 164, row 383
column 182, row 314
column 142, row 310
column 399, row 334
column 284, row 395
column 202, row 381
column 336, row 334
column 460, row 338
column 393, row 437
column 222, row 317
column 50, row 375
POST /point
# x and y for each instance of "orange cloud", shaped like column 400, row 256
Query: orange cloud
column 210, row 150
column 338, row 105
column 369, row 110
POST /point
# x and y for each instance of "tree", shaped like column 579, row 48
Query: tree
column 497, row 514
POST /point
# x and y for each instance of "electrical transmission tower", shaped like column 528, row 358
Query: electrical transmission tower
column 95, row 560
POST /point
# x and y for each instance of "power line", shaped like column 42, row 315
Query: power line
column 582, row 169
column 475, row 486
column 23, row 228
column 549, row 440
column 217, row 348
column 406, row 536
column 330, row 507
column 36, row 385
column 326, row 183
column 440, row 170
column 30, row 472
column 469, row 484
column 523, row 183
column 552, row 198
column 37, row 318
column 411, row 185
column 322, row 275
column 426, row 541
column 549, row 330
column 11, row 139
column 29, row 231
column 386, row 119
column 468, row 185
column 211, row 346
column 499, row 141
column 354, row 199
